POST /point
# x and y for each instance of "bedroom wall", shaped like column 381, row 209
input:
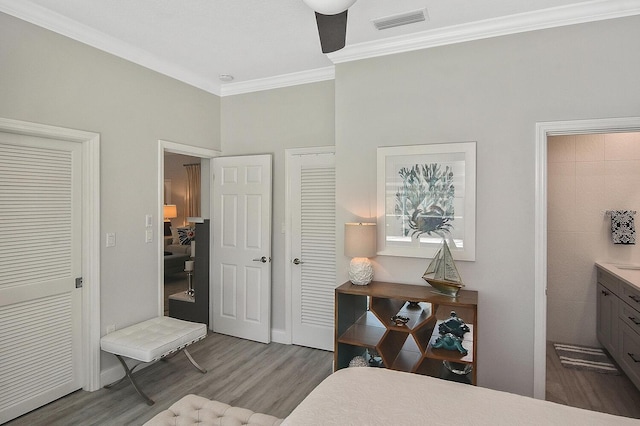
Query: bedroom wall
column 493, row 92
column 268, row 122
column 47, row 78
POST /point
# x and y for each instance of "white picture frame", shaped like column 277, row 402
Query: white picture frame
column 410, row 217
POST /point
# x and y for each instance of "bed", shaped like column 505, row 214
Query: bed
column 378, row 396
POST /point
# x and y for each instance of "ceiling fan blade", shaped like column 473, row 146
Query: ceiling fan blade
column 332, row 30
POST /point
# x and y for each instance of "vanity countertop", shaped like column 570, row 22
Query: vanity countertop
column 629, row 273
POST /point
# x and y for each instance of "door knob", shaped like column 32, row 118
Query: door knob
column 262, row 259
column 297, row 261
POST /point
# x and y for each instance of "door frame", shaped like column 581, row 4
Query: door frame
column 194, row 151
column 287, row 336
column 543, row 130
column 90, row 366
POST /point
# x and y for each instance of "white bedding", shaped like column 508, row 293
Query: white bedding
column 377, row 396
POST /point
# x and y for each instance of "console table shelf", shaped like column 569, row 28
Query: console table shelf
column 363, row 322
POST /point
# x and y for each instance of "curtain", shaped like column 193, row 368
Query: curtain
column 192, row 196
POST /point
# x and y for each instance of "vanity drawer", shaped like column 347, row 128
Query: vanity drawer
column 630, row 316
column 631, row 295
column 610, row 282
column 630, row 353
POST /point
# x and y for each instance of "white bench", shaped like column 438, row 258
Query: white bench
column 150, row 341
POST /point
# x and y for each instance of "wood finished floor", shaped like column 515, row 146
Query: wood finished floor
column 587, row 389
column 274, row 378
column 270, row 379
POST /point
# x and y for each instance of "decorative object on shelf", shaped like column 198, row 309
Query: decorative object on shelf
column 450, row 343
column 623, row 230
column 459, row 368
column 413, row 305
column 399, row 319
column 423, row 192
column 358, row 361
column 453, row 325
column 169, row 211
column 442, row 273
column 360, row 244
column 375, row 360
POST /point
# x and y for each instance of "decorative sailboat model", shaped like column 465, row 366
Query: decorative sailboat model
column 442, row 273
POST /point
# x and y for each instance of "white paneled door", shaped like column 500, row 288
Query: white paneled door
column 241, row 280
column 40, row 306
column 313, row 248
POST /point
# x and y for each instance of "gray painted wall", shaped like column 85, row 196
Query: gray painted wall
column 47, row 78
column 493, row 92
column 269, row 122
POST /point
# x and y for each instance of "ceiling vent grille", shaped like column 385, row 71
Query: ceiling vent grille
column 400, row 19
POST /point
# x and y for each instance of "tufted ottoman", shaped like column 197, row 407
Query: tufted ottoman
column 194, row 409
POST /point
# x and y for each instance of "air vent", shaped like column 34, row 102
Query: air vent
column 400, row 19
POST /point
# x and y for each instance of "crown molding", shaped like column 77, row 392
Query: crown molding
column 591, row 11
column 55, row 22
column 579, row 13
column 284, row 80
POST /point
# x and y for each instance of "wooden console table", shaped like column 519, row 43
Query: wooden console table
column 362, row 326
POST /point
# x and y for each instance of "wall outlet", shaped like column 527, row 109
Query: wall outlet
column 111, row 328
column 111, row 239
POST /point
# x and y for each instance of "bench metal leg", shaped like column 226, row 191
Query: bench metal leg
column 193, row 361
column 129, row 373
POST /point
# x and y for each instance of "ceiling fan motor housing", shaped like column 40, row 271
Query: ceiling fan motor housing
column 329, row 7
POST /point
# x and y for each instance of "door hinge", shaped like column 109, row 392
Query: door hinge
column 79, row 282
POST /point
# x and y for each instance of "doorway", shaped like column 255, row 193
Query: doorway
column 177, row 203
column 543, row 132
column 172, row 186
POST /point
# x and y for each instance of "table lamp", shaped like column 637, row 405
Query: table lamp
column 360, row 244
column 169, row 212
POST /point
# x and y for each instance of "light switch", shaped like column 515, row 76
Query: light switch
column 148, row 221
column 148, row 236
column 111, row 239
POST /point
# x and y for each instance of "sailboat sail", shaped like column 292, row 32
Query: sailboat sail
column 442, row 273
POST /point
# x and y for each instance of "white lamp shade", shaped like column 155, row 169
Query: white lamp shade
column 329, row 7
column 170, row 211
column 360, row 239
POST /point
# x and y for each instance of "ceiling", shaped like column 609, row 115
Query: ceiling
column 269, row 43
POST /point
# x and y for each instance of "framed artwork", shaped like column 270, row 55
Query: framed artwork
column 427, row 193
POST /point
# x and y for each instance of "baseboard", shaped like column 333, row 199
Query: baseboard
column 280, row 336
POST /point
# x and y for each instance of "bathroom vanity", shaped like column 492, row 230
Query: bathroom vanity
column 618, row 322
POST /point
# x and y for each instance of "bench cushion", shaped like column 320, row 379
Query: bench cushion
column 194, row 409
column 153, row 339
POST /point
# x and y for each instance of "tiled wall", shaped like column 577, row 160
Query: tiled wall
column 587, row 175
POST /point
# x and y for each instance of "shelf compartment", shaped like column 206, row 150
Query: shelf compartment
column 436, row 368
column 424, row 331
column 408, row 357
column 384, row 309
column 391, row 344
column 447, row 355
column 367, row 331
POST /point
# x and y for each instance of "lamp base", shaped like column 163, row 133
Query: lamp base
column 360, row 271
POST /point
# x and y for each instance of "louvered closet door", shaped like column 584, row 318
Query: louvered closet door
column 40, row 224
column 313, row 242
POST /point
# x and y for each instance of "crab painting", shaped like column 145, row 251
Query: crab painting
column 425, row 199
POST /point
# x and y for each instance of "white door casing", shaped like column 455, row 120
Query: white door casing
column 312, row 263
column 241, row 247
column 40, row 306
